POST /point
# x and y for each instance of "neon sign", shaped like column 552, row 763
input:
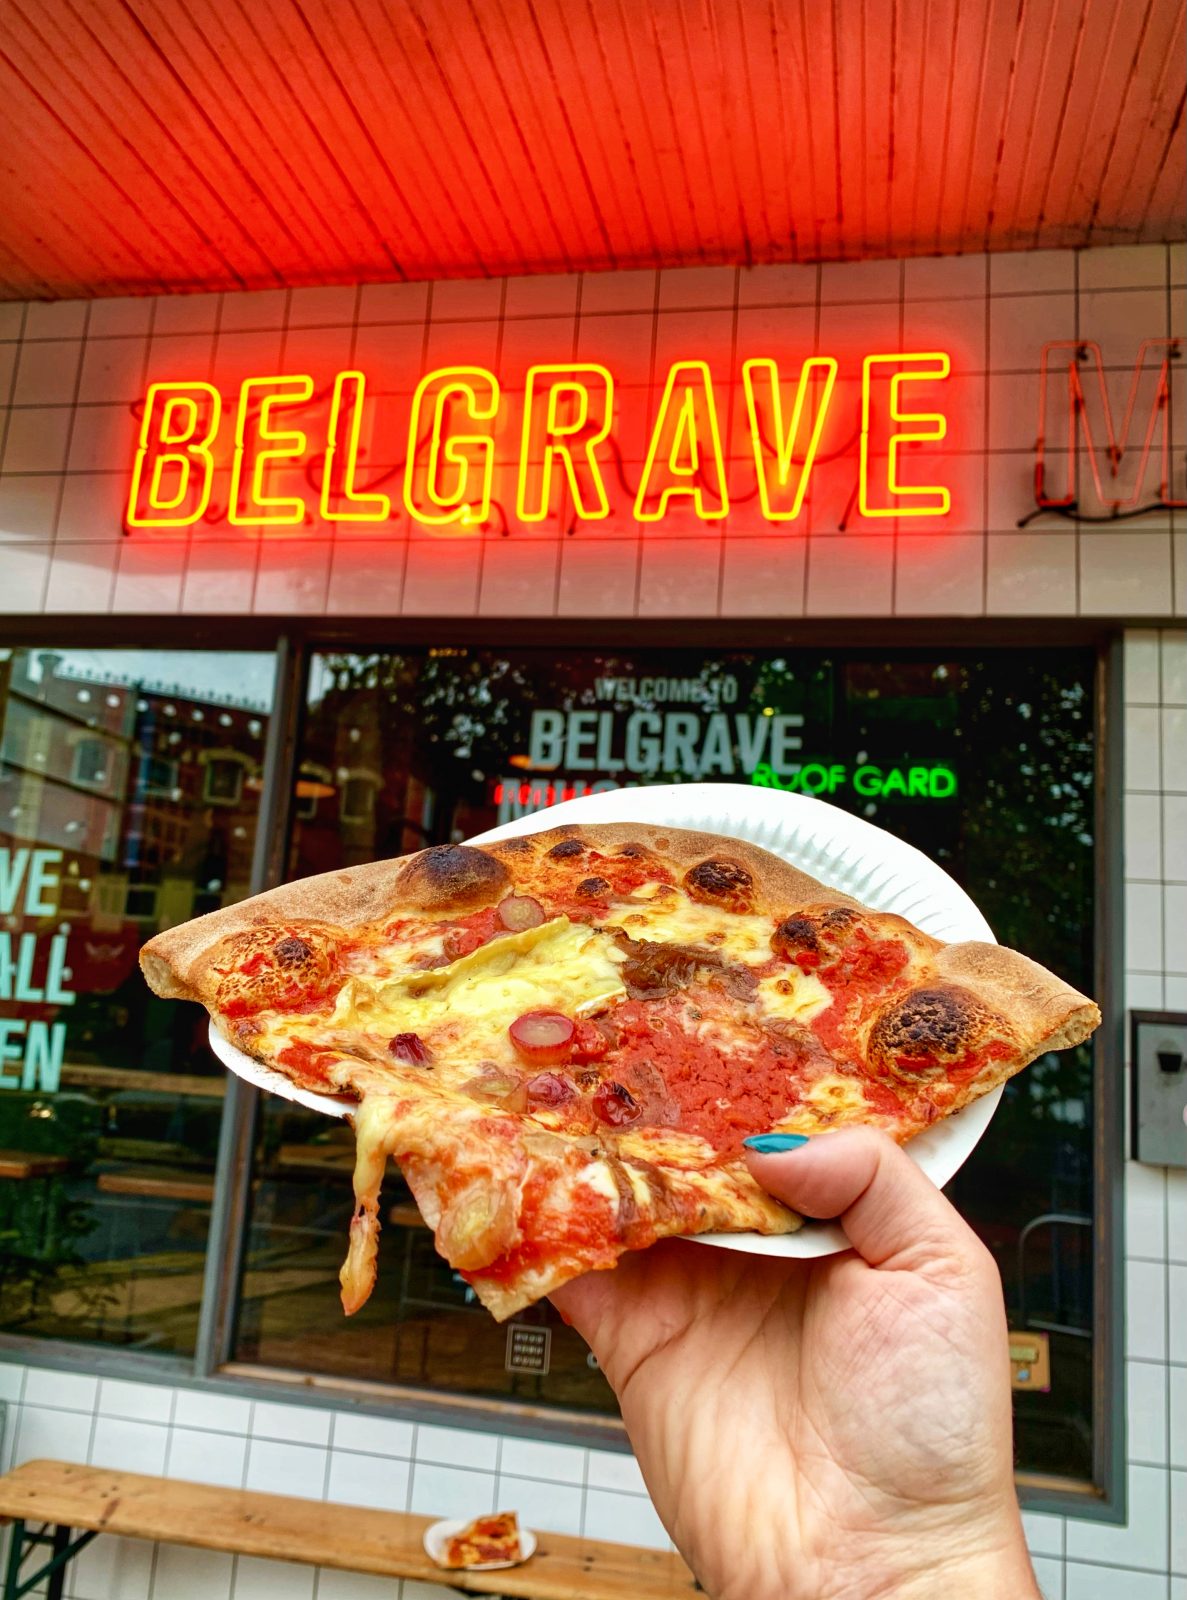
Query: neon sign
column 1074, row 396
column 570, row 453
column 867, row 780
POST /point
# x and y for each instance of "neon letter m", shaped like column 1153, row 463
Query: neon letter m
column 1106, row 470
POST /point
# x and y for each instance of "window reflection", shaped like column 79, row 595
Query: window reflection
column 984, row 760
column 111, row 829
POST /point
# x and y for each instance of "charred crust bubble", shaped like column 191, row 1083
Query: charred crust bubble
column 920, row 1035
column 566, row 849
column 719, row 881
column 452, row 875
column 292, row 953
column 591, row 888
column 631, row 850
column 795, row 934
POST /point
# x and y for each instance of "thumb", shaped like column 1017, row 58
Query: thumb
column 892, row 1213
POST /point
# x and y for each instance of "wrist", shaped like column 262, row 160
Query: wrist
column 934, row 1571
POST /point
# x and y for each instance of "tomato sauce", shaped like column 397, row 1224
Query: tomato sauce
column 720, row 1096
column 865, row 969
column 308, row 1060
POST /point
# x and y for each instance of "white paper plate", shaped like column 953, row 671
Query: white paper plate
column 438, row 1534
column 840, row 850
column 843, row 851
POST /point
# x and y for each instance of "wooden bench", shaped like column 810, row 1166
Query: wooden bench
column 71, row 1504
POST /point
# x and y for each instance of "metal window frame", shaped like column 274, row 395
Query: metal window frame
column 213, row 1366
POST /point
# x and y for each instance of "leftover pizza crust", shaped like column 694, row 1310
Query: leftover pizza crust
column 693, row 989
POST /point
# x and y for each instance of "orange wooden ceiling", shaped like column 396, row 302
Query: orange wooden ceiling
column 150, row 145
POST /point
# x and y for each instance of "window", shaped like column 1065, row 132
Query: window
column 982, row 758
column 224, row 776
column 110, row 1101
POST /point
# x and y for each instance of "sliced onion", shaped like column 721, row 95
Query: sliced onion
column 520, row 911
column 492, row 1085
column 550, row 1089
column 543, row 1037
column 615, row 1104
column 411, row 1049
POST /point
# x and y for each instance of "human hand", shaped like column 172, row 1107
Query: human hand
column 838, row 1429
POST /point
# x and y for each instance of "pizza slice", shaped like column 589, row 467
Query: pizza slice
column 485, row 1541
column 564, row 1038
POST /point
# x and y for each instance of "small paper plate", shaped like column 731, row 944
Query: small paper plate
column 839, row 849
column 848, row 854
column 438, row 1535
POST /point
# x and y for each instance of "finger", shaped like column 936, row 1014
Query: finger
column 892, row 1213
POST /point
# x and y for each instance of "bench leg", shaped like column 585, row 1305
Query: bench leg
column 23, row 1544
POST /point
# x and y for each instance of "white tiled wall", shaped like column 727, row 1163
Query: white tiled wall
column 383, row 1462
column 70, row 374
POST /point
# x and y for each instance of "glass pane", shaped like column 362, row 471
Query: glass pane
column 983, row 759
column 117, row 819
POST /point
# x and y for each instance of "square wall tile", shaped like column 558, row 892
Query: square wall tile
column 1049, row 1576
column 1174, row 667
column 47, row 373
column 683, row 287
column 450, row 1491
column 1118, row 321
column 946, row 277
column 378, row 1436
column 366, row 577
column 1145, row 1304
column 763, row 577
column 1086, row 1581
column 1031, row 271
column 365, row 1480
column 335, row 1585
column 1143, row 927
column 1020, row 325
column 260, row 1579
column 1143, row 748
column 199, row 1457
column 148, row 577
column 27, row 508
column 618, row 291
column 282, row 1468
column 300, row 1424
column 332, row 305
column 519, row 578
column 81, row 577
column 785, row 285
column 555, row 295
column 94, row 505
column 457, row 1447
column 112, row 1568
column 56, row 319
column 1145, row 1186
column 293, row 577
column 466, row 299
column 537, row 1458
column 1174, row 837
column 393, row 302
column 57, row 1435
column 1177, row 1384
column 144, row 1402
column 844, row 282
column 1141, row 1543
column 1045, row 1534
column 120, row 316
column 1143, row 836
column 1030, row 574
column 262, row 308
column 551, row 1507
column 187, row 313
column 23, row 572
column 1146, row 1405
column 1122, row 267
column 1125, row 574
column 183, row 1573
column 1176, row 1276
column 220, row 577
column 1174, row 931
column 598, row 577
column 679, row 577
column 850, row 576
column 1141, row 658
column 1173, row 725
column 131, row 1446
column 70, row 1391
column 12, row 318
column 624, row 1519
column 441, row 576
column 37, row 439
column 939, row 574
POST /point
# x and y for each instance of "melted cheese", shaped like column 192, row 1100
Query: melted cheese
column 673, row 919
column 793, row 996
column 469, row 1005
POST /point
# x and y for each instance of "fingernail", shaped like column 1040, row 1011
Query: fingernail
column 769, row 1144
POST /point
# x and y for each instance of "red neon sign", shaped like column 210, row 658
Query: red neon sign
column 1119, row 481
column 570, row 457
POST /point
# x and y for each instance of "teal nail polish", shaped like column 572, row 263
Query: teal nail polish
column 770, row 1144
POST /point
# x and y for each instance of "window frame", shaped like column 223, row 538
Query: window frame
column 213, row 1366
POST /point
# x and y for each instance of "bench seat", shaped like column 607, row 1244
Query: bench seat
column 281, row 1527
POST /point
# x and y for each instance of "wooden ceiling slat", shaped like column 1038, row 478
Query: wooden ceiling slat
column 184, row 144
column 1157, row 86
column 581, row 67
column 464, row 174
column 100, row 99
column 238, row 120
